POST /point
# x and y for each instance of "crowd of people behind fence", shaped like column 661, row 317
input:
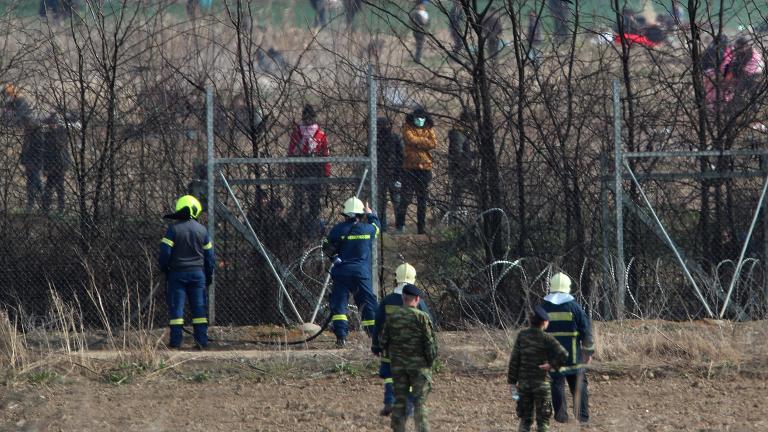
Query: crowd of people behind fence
column 44, row 153
column 730, row 70
column 404, row 159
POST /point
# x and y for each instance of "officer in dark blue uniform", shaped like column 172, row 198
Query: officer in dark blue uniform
column 186, row 257
column 350, row 243
column 404, row 274
column 571, row 327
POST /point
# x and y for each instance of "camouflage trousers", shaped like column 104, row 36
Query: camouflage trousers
column 536, row 399
column 417, row 383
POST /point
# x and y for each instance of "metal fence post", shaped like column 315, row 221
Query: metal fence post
column 372, row 150
column 764, row 168
column 605, row 221
column 619, row 192
column 211, row 199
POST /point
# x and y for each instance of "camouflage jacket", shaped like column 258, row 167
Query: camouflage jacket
column 409, row 338
column 534, row 347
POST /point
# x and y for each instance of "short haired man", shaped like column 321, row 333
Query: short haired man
column 404, row 274
column 535, row 353
column 409, row 338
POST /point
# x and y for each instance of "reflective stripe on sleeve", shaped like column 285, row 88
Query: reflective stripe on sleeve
column 574, row 351
column 565, row 334
column 377, row 232
column 385, row 360
column 368, row 323
column 560, row 316
column 177, row 321
column 167, row 241
column 571, row 368
column 340, row 317
column 199, row 320
column 359, row 237
column 389, row 381
column 208, row 246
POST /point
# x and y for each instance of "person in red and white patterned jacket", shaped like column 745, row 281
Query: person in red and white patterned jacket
column 308, row 140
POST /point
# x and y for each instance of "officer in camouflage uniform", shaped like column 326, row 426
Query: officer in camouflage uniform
column 409, row 338
column 535, row 353
column 405, row 274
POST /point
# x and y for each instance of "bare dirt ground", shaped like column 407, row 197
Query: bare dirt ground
column 650, row 387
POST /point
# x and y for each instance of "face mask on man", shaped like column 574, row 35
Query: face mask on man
column 419, row 121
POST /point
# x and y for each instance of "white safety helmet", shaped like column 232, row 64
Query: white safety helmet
column 405, row 273
column 560, row 283
column 353, row 206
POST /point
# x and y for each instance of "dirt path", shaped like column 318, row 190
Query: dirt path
column 317, row 388
column 338, row 403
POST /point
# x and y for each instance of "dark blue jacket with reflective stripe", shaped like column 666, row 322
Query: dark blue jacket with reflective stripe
column 187, row 247
column 385, row 306
column 354, row 246
column 571, row 327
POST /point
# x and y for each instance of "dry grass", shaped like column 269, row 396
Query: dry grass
column 13, row 352
column 38, row 352
column 632, row 347
column 698, row 345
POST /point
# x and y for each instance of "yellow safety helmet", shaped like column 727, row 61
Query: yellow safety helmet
column 353, row 206
column 560, row 283
column 189, row 201
column 405, row 273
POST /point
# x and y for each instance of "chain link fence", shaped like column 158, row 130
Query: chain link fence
column 97, row 149
column 83, row 205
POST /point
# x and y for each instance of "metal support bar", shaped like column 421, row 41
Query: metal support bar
column 372, row 166
column 703, row 153
column 295, row 160
column 619, row 191
column 764, row 166
column 261, row 248
column 709, row 175
column 362, row 182
column 295, row 181
column 670, row 242
column 605, row 222
column 211, row 199
column 740, row 262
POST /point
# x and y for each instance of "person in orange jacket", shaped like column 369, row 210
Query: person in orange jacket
column 419, row 139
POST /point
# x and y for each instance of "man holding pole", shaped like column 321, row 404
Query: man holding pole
column 350, row 244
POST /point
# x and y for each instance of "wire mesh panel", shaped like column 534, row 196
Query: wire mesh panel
column 274, row 258
column 83, row 200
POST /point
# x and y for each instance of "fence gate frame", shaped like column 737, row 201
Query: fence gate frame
column 623, row 171
column 368, row 163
